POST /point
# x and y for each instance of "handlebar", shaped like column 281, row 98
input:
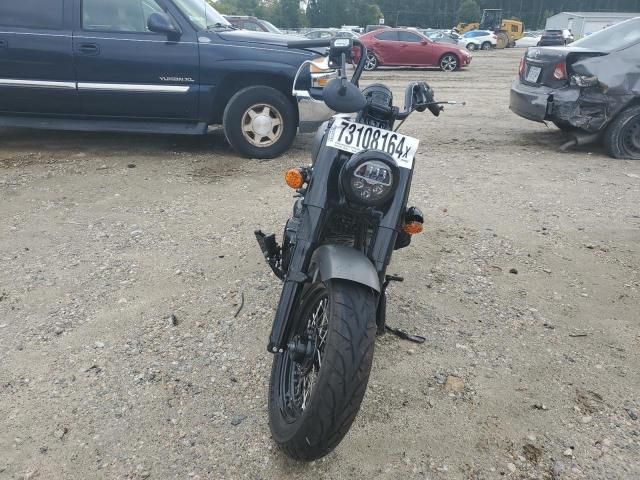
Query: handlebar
column 313, row 43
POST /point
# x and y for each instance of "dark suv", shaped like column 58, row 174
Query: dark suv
column 154, row 66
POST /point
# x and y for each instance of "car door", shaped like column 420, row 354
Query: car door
column 413, row 49
column 125, row 70
column 385, row 46
column 36, row 57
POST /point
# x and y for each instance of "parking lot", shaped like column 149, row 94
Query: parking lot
column 135, row 305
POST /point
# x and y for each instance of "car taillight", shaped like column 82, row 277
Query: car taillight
column 560, row 72
column 522, row 65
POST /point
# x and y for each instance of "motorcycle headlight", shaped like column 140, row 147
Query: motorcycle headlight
column 321, row 74
column 369, row 178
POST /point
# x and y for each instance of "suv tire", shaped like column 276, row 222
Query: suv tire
column 260, row 122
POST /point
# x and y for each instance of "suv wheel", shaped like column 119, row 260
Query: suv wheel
column 622, row 137
column 486, row 46
column 471, row 46
column 260, row 122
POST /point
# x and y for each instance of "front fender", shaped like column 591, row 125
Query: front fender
column 344, row 263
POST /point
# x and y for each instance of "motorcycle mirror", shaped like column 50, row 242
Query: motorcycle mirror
column 343, row 96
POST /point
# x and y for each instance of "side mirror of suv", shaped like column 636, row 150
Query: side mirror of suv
column 161, row 23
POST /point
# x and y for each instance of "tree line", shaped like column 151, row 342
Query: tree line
column 414, row 13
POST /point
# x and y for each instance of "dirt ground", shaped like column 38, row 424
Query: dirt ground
column 125, row 258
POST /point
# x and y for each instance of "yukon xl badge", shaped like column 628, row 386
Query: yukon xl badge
column 177, row 79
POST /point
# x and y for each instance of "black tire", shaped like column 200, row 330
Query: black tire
column 471, row 46
column 372, row 62
column 340, row 383
column 281, row 112
column 564, row 126
column 622, row 137
column 486, row 46
column 449, row 62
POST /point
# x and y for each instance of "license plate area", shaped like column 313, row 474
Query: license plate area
column 355, row 137
column 533, row 74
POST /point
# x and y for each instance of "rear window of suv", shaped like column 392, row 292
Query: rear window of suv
column 36, row 14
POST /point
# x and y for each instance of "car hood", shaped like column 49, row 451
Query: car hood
column 265, row 38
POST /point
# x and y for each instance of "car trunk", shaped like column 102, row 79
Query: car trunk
column 552, row 66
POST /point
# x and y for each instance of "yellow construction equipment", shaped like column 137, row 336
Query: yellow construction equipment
column 507, row 31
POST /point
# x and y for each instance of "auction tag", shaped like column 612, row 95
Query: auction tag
column 355, row 137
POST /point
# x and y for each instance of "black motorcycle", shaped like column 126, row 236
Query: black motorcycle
column 350, row 215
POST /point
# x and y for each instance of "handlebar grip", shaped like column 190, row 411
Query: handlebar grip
column 309, row 43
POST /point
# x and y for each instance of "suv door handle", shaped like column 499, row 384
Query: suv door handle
column 89, row 49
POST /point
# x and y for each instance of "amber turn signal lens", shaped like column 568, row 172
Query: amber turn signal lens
column 294, row 178
column 412, row 228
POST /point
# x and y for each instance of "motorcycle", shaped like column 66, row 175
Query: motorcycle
column 350, row 215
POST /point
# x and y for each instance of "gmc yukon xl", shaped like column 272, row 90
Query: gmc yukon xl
column 153, row 66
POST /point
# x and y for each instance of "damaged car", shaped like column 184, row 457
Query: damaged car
column 591, row 87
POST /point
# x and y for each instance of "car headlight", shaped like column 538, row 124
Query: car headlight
column 321, row 74
column 369, row 178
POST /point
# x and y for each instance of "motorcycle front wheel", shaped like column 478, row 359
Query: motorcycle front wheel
column 317, row 386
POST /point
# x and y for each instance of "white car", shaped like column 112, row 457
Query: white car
column 478, row 40
column 530, row 39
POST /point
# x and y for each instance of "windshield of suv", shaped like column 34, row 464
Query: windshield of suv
column 272, row 28
column 613, row 38
column 201, row 14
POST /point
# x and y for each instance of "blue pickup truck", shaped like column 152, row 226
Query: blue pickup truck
column 153, row 66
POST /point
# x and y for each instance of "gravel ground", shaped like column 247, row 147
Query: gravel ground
column 126, row 258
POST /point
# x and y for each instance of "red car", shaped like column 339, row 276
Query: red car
column 400, row 47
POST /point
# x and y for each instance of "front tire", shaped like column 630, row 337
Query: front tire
column 371, row 63
column 472, row 47
column 260, row 122
column 314, row 398
column 622, row 137
column 449, row 63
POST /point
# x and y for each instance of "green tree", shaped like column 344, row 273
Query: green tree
column 469, row 12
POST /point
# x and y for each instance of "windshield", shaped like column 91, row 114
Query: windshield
column 201, row 14
column 613, row 38
column 272, row 28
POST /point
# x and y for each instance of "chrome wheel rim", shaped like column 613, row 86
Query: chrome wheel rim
column 471, row 46
column 371, row 63
column 449, row 63
column 486, row 46
column 262, row 125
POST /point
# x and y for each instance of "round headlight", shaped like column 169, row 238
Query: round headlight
column 369, row 178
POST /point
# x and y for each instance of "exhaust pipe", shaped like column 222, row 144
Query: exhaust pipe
column 579, row 139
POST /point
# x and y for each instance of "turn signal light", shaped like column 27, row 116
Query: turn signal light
column 294, row 178
column 412, row 228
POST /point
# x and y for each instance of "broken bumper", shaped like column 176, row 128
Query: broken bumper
column 587, row 109
column 311, row 112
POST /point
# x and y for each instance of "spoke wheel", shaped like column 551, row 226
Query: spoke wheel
column 262, row 125
column 318, row 383
column 486, row 46
column 305, row 356
column 449, row 63
column 471, row 47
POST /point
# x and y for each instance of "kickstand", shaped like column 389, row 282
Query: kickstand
column 404, row 335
